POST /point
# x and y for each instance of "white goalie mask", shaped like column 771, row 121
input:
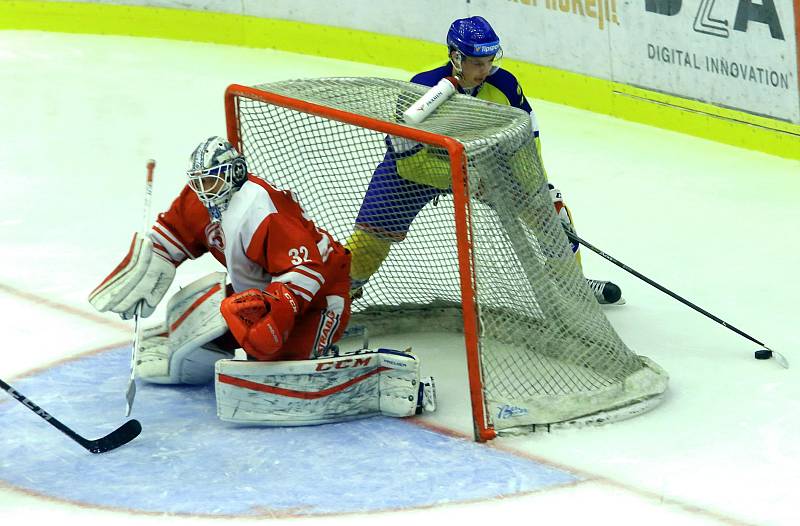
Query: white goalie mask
column 216, row 170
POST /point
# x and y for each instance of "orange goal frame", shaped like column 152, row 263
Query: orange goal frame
column 458, row 167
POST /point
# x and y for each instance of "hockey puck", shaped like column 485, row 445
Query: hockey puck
column 763, row 354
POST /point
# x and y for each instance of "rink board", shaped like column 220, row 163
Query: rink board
column 186, row 461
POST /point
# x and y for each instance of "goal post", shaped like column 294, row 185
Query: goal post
column 485, row 256
column 236, row 93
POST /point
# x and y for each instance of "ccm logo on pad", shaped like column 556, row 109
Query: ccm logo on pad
column 344, row 364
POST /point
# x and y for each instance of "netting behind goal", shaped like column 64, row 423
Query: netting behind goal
column 485, row 256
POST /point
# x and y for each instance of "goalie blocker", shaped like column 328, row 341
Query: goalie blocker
column 326, row 390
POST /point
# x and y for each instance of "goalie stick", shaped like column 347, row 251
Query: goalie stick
column 761, row 354
column 130, row 392
column 120, row 436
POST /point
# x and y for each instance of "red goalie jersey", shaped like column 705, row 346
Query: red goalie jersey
column 290, row 279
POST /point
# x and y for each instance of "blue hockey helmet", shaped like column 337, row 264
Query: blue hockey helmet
column 473, row 37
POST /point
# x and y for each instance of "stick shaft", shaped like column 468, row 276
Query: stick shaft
column 130, row 392
column 120, row 436
column 663, row 289
column 148, row 195
column 47, row 417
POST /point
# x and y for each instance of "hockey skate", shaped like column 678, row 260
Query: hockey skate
column 605, row 292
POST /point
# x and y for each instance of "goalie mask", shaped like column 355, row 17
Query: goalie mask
column 216, row 170
column 473, row 37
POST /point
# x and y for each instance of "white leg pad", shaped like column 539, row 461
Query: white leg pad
column 309, row 392
column 152, row 360
column 183, row 353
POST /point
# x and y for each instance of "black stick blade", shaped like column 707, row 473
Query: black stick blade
column 119, row 437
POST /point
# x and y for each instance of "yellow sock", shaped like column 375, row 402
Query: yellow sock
column 368, row 252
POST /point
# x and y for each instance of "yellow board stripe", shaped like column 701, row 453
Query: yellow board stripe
column 673, row 113
column 687, row 116
column 219, row 28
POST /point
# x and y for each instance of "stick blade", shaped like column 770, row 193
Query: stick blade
column 119, row 437
column 781, row 359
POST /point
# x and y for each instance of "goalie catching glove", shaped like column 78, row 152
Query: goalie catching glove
column 261, row 320
column 142, row 276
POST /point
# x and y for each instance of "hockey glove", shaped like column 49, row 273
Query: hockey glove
column 564, row 215
column 142, row 276
column 261, row 320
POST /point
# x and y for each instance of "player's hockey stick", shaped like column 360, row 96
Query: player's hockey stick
column 432, row 99
column 130, row 392
column 120, row 436
column 761, row 354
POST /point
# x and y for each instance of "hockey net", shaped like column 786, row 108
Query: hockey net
column 487, row 258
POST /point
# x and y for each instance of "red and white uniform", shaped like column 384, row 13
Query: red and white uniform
column 265, row 237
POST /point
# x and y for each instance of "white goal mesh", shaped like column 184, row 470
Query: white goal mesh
column 485, row 256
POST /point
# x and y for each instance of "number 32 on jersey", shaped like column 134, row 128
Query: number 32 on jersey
column 299, row 255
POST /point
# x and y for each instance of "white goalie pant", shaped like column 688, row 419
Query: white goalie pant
column 180, row 352
column 309, row 392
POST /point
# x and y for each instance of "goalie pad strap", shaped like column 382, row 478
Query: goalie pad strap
column 309, row 392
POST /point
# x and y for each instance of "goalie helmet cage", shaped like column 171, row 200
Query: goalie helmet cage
column 486, row 256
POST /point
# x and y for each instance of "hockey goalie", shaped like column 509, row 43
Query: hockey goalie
column 286, row 305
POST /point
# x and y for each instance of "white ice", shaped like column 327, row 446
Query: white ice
column 716, row 224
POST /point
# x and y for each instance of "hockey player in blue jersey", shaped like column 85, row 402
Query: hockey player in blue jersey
column 474, row 55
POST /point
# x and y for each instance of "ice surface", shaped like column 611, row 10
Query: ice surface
column 717, row 224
